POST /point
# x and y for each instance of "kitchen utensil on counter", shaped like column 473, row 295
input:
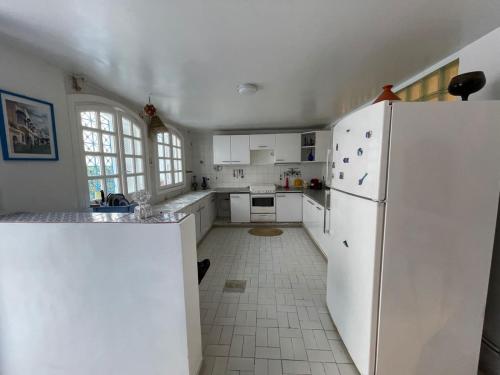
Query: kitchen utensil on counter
column 467, row 83
column 298, row 182
column 194, row 184
column 204, row 183
column 316, row 184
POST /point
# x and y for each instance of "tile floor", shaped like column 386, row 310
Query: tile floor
column 280, row 324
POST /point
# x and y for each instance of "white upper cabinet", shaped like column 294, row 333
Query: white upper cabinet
column 315, row 146
column 240, row 149
column 287, row 148
column 231, row 149
column 222, row 149
column 262, row 141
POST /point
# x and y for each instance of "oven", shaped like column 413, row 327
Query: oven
column 262, row 204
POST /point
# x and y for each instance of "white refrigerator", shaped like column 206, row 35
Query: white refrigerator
column 413, row 211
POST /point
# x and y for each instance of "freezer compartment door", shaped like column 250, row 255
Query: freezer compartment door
column 354, row 274
column 360, row 148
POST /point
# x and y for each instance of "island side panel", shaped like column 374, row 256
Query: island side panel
column 191, row 293
column 92, row 299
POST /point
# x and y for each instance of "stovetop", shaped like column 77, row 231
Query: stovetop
column 263, row 189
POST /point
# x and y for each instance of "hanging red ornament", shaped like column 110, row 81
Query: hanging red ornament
column 149, row 109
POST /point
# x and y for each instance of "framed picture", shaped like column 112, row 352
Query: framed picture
column 27, row 128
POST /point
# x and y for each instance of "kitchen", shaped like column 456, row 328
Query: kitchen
column 237, row 188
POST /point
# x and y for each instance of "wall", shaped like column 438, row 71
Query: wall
column 41, row 185
column 202, row 161
column 484, row 55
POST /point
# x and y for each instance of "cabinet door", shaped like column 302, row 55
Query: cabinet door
column 287, row 148
column 323, row 140
column 308, row 213
column 213, row 208
column 240, row 208
column 288, row 207
column 205, row 218
column 240, row 149
column 222, row 149
column 262, row 141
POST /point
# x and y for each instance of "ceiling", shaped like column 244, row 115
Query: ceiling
column 312, row 59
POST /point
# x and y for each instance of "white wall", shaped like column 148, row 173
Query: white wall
column 484, row 54
column 202, row 162
column 41, row 185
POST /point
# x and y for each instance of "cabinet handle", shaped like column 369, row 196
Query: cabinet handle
column 236, row 161
column 262, row 146
column 235, row 196
column 310, row 202
column 226, row 161
column 280, row 159
column 319, row 208
column 281, row 195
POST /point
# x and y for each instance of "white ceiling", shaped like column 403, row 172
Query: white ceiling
column 313, row 59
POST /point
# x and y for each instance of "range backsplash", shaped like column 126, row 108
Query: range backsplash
column 202, row 166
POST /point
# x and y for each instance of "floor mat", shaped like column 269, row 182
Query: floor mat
column 265, row 232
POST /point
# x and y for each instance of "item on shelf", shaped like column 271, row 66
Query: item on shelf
column 467, row 83
column 287, row 183
column 103, row 198
column 298, row 182
column 387, row 94
column 310, row 157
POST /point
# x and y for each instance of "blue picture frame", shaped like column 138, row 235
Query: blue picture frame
column 27, row 128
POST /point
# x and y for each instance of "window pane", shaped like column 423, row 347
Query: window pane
column 178, row 165
column 95, row 187
column 174, row 155
column 179, row 153
column 137, row 147
column 163, row 179
column 127, row 146
column 180, row 177
column 140, row 182
column 159, row 137
column 110, row 165
column 167, row 138
column 161, row 165
column 89, row 119
column 131, row 185
column 126, row 126
column 176, row 177
column 167, row 151
column 175, row 140
column 129, row 165
column 168, row 165
column 93, row 165
column 107, row 122
column 138, row 165
column 137, row 131
column 161, row 153
column 108, row 144
column 169, row 179
column 112, row 185
column 91, row 141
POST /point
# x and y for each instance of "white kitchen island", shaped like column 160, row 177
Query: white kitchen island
column 99, row 294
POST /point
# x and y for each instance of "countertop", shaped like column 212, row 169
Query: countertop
column 316, row 195
column 90, row 217
column 180, row 202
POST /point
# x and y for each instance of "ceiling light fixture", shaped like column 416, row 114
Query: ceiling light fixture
column 247, row 88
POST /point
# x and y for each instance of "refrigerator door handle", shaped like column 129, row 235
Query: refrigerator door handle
column 326, row 212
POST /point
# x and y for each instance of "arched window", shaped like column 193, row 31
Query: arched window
column 113, row 150
column 169, row 151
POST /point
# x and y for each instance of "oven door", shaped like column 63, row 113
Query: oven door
column 262, row 203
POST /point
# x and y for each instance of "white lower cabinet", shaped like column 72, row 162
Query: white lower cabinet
column 313, row 219
column 240, row 208
column 288, row 207
column 204, row 212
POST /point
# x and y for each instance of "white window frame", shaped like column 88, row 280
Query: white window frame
column 82, row 102
column 172, row 187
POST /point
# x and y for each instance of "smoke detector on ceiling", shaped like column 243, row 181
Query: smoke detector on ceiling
column 247, row 88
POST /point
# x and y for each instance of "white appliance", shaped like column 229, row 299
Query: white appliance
column 413, row 208
column 263, row 203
